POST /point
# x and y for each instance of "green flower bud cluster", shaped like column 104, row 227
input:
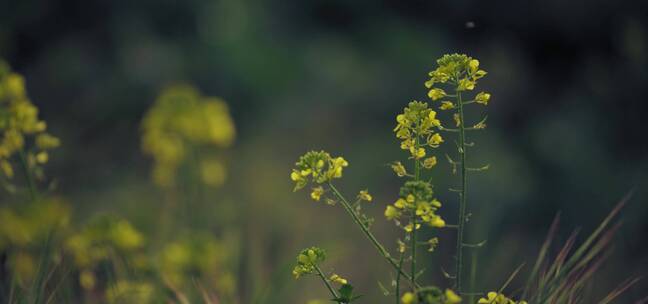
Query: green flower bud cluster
column 307, row 261
column 318, row 167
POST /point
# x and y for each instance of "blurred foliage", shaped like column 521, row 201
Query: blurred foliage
column 106, row 258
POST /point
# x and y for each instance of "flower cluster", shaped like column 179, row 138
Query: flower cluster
column 307, row 261
column 417, row 123
column 199, row 256
column 498, row 298
column 319, row 168
column 20, row 125
column 416, row 197
column 103, row 239
column 462, row 72
column 431, row 295
column 180, row 123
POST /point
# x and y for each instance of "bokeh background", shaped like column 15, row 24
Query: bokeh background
column 566, row 125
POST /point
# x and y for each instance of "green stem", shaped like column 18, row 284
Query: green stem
column 462, row 195
column 30, row 181
column 398, row 276
column 368, row 233
column 326, row 282
column 417, row 176
column 473, row 276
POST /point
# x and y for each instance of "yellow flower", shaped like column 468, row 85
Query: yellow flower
column 42, row 157
column 392, row 213
column 497, row 298
column 466, row 84
column 317, row 193
column 409, row 227
column 482, row 98
column 446, row 105
column 400, row 203
column 451, row 297
column 364, row 196
column 436, row 93
column 432, row 119
column 435, row 140
column 408, row 298
column 417, row 153
column 295, row 176
column 437, row 222
column 399, row 169
column 429, row 162
column 473, row 65
column 337, row 279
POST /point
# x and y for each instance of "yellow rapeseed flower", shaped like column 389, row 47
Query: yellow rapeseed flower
column 482, row 98
column 365, row 196
column 317, row 193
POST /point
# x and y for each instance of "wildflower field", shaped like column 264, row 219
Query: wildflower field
column 323, row 152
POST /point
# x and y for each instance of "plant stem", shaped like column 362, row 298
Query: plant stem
column 326, row 282
column 417, row 176
column 398, row 276
column 33, row 194
column 462, row 194
column 368, row 234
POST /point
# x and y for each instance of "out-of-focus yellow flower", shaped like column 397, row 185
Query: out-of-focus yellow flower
column 87, row 279
column 181, row 123
column 451, row 297
column 408, row 298
column 104, row 239
column 392, row 213
column 20, row 125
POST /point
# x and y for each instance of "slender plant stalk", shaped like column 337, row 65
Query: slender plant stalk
column 326, row 282
column 381, row 249
column 462, row 195
column 398, row 277
column 473, row 276
column 417, row 176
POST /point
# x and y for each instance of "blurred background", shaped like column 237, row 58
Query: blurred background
column 566, row 122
